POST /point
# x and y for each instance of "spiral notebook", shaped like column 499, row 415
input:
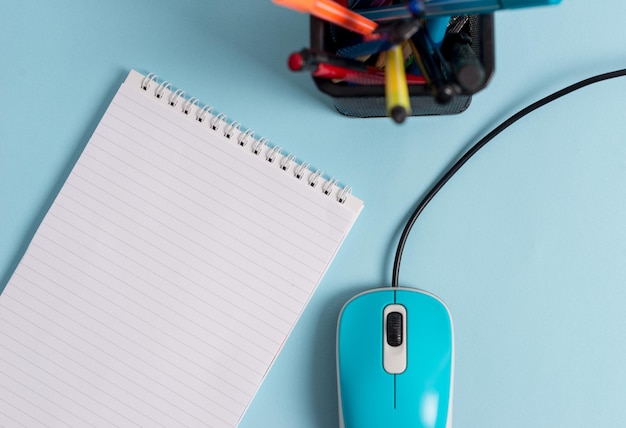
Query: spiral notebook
column 168, row 272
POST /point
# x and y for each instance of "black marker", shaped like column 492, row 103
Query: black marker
column 466, row 68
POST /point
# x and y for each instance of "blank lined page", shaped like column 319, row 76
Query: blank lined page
column 167, row 274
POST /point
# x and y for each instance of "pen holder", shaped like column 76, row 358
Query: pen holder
column 369, row 100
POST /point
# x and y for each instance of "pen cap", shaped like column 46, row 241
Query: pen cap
column 513, row 4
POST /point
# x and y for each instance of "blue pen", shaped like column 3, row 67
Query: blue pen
column 390, row 34
column 437, row 27
column 412, row 8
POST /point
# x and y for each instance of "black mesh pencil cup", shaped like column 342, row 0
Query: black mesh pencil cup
column 471, row 35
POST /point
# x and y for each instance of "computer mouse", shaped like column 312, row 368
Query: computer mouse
column 395, row 360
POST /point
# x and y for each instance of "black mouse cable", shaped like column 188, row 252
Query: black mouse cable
column 479, row 145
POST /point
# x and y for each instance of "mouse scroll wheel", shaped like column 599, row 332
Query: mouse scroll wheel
column 394, row 328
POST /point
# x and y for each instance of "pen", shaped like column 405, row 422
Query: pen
column 385, row 36
column 308, row 59
column 332, row 12
column 352, row 71
column 396, row 90
column 413, row 8
column 372, row 76
column 437, row 27
column 432, row 64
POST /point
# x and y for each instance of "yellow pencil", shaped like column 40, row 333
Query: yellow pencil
column 396, row 89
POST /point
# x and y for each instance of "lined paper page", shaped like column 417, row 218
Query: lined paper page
column 165, row 277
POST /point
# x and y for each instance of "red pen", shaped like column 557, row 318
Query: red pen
column 330, row 67
column 372, row 76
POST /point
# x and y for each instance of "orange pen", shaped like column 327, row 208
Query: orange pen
column 332, row 12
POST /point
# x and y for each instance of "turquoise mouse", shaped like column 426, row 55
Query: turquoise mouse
column 395, row 360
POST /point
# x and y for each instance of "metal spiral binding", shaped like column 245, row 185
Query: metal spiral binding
column 285, row 162
column 243, row 138
column 343, row 194
column 315, row 178
column 216, row 121
column 193, row 101
column 203, row 112
column 230, row 128
column 257, row 146
column 145, row 84
column 174, row 97
column 270, row 156
column 298, row 172
column 327, row 188
column 162, row 87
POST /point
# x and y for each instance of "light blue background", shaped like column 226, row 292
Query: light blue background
column 527, row 244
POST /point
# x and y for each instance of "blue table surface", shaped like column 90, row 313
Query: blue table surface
column 527, row 244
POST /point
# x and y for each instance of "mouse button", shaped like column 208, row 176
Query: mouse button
column 427, row 404
column 359, row 334
column 426, row 384
column 426, row 310
column 365, row 390
column 367, row 402
column 429, row 331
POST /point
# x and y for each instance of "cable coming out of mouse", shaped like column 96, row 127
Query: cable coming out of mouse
column 476, row 147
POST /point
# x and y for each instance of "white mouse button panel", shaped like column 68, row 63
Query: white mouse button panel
column 394, row 339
